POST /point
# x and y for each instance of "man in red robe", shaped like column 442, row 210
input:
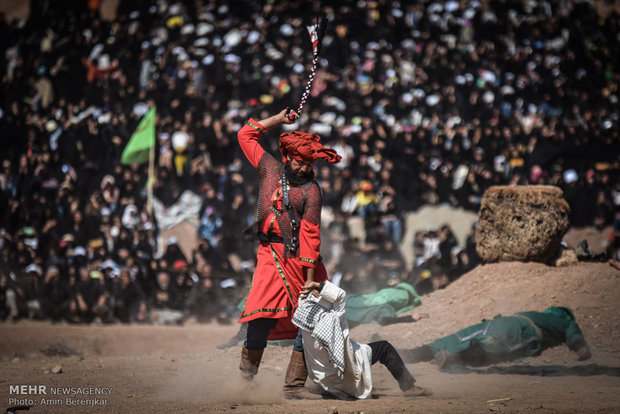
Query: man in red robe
column 287, row 225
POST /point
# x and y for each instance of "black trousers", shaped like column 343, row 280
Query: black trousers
column 258, row 333
column 384, row 352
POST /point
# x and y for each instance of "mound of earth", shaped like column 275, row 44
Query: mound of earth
column 591, row 290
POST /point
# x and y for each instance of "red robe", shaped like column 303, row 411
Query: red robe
column 277, row 280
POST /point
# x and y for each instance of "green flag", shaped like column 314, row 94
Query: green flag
column 139, row 145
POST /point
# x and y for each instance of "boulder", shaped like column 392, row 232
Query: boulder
column 521, row 223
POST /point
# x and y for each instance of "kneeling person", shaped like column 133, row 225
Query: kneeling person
column 338, row 364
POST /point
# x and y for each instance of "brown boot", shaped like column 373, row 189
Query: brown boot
column 250, row 360
column 295, row 379
column 416, row 391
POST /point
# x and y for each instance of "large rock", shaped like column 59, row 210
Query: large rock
column 522, row 223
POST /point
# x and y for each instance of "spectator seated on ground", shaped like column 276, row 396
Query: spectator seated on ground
column 91, row 297
column 56, row 297
column 126, row 297
column 166, row 306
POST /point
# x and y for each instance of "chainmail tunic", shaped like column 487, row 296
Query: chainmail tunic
column 306, row 201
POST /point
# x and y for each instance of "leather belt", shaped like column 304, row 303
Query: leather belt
column 270, row 238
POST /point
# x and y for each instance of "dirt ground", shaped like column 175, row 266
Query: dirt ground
column 157, row 369
column 162, row 369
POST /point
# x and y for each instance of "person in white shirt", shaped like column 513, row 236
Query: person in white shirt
column 338, row 364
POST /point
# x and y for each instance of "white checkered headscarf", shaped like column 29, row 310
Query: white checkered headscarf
column 325, row 327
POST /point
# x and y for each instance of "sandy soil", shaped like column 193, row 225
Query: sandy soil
column 157, row 369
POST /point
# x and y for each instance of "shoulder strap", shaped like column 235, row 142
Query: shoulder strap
column 289, row 208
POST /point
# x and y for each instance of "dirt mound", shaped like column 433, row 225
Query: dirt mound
column 592, row 290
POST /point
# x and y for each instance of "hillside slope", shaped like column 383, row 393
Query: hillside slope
column 591, row 290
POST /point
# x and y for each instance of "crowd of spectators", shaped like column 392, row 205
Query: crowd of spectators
column 429, row 103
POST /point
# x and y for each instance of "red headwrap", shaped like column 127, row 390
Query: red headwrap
column 307, row 147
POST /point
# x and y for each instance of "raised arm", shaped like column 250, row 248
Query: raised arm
column 253, row 130
column 278, row 119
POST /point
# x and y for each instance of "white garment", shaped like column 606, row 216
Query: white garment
column 431, row 247
column 324, row 323
column 357, row 379
column 186, row 208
